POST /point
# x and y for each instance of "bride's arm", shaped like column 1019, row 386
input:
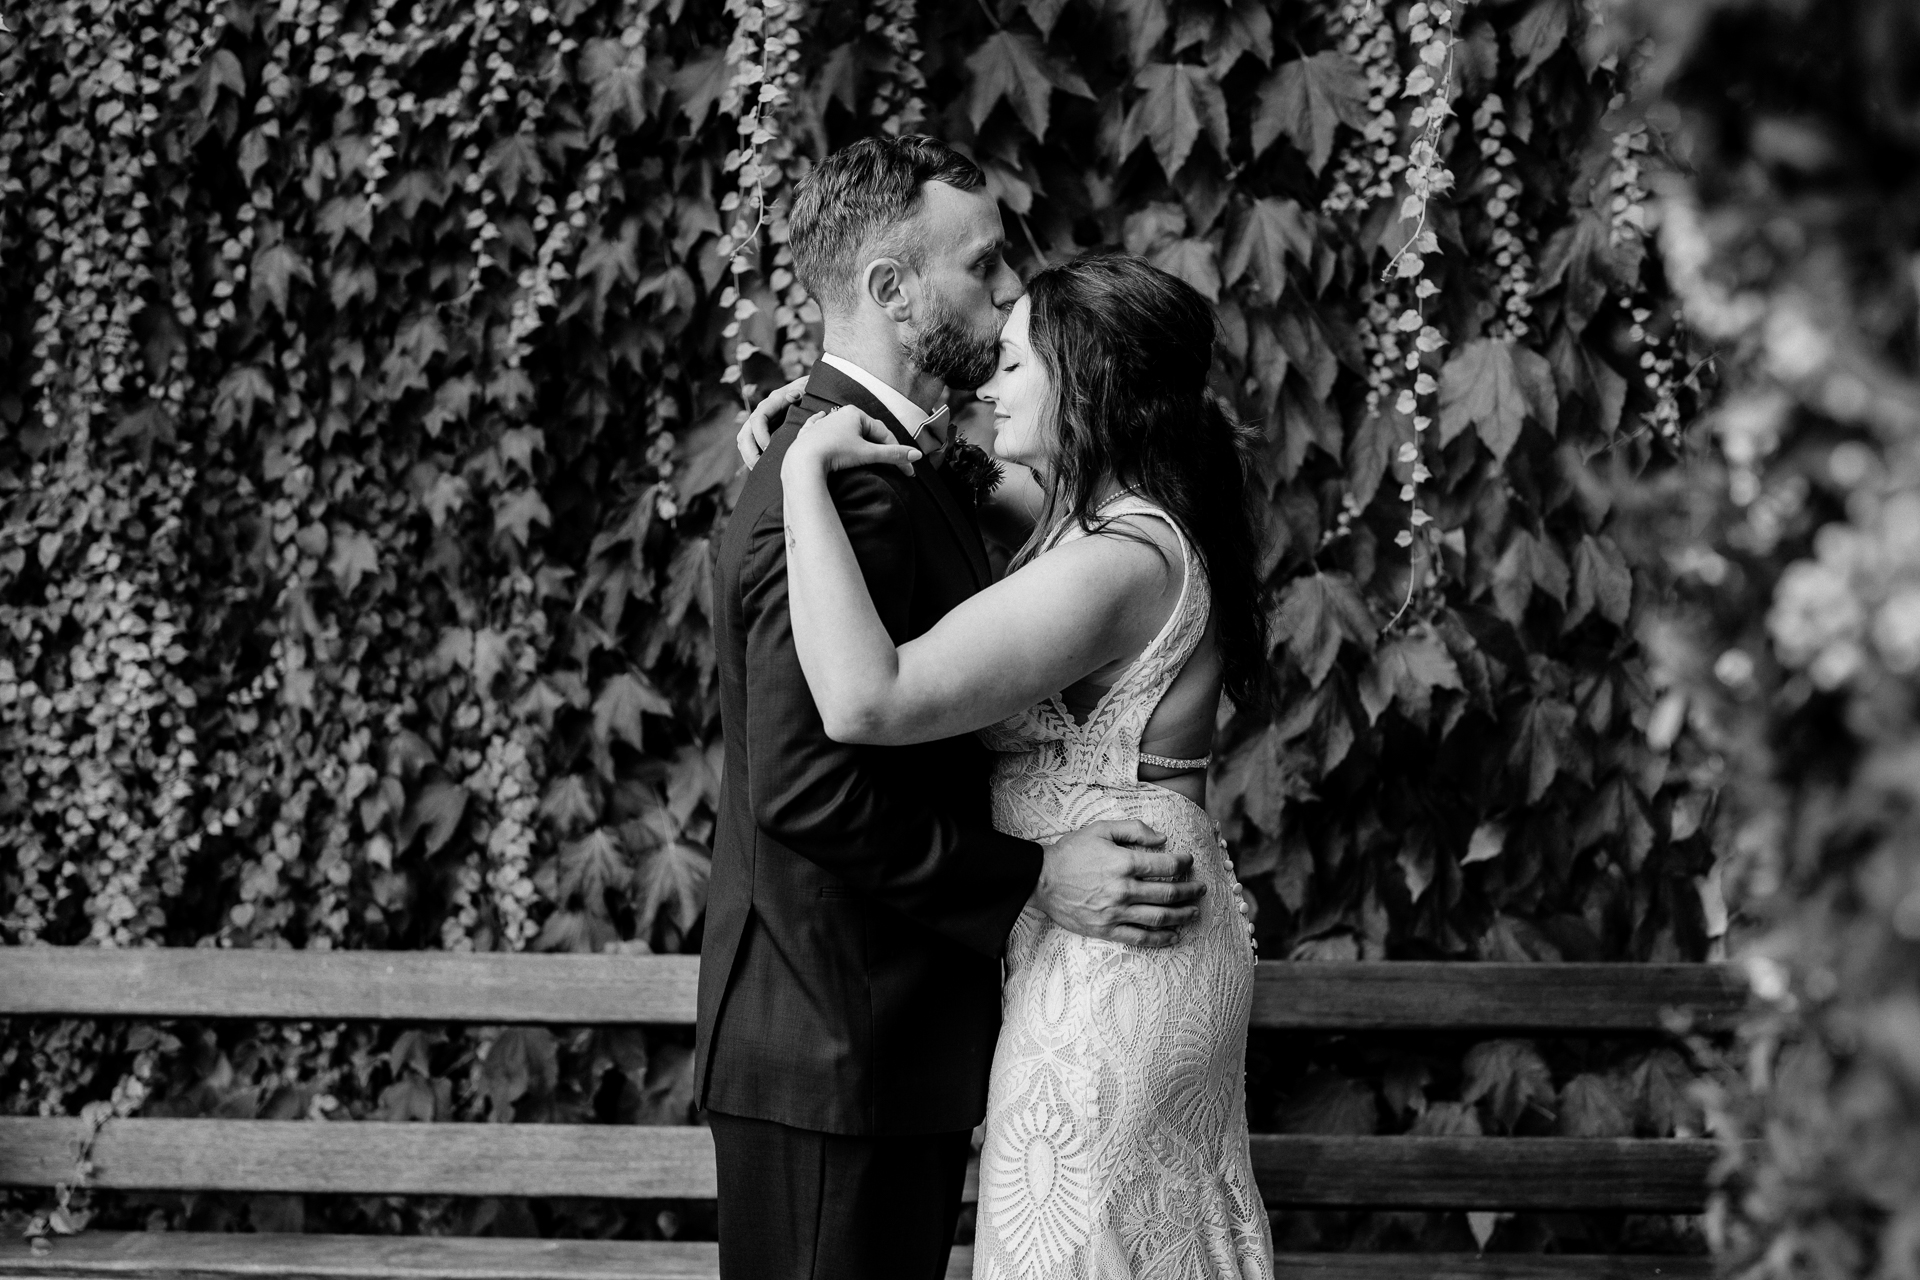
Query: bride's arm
column 1062, row 616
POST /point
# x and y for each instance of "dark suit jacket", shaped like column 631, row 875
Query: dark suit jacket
column 860, row 899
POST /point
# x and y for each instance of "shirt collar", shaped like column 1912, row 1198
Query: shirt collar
column 910, row 415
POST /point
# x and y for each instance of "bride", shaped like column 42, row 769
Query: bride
column 1116, row 1132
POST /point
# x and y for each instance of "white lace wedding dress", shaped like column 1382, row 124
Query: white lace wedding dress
column 1116, row 1137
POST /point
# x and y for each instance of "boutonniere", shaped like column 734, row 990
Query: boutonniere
column 968, row 463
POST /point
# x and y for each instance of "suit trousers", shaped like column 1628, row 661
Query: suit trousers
column 800, row 1205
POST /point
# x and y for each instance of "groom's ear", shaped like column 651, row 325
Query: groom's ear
column 887, row 285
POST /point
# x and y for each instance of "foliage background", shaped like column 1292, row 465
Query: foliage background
column 369, row 378
column 1794, row 627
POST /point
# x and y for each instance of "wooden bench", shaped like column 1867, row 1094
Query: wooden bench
column 1478, row 1173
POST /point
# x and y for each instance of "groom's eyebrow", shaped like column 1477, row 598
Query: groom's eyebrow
column 988, row 250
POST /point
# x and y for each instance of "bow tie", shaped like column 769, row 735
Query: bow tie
column 931, row 439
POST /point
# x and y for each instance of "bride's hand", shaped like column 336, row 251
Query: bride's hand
column 844, row 438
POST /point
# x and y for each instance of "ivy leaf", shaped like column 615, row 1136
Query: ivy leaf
column 1615, row 812
column 617, row 712
column 1044, row 14
column 1263, row 236
column 1600, row 579
column 577, row 931
column 572, row 802
column 1152, row 225
column 522, row 1062
column 617, row 75
column 1306, row 99
column 1584, row 377
column 244, row 387
column 513, row 162
column 220, row 71
column 448, row 494
column 1542, row 737
column 492, row 654
column 1145, row 22
column 1590, row 1107
column 417, row 187
column 1541, row 31
column 515, row 514
column 1324, row 718
column 1194, row 262
column 698, row 83
column 1408, row 668
column 1245, row 28
column 706, row 457
column 1662, row 1091
column 606, row 262
column 405, row 365
column 1305, row 340
column 1528, row 563
column 1416, row 860
column 1584, row 257
column 273, row 268
column 669, row 1094
column 1015, row 66
column 1371, row 452
column 253, row 154
column 354, row 557
column 1447, row 1120
column 436, row 809
column 1315, row 614
column 1252, row 775
column 342, row 214
column 1493, row 385
column 689, row 580
column 671, row 884
column 412, row 1098
column 1509, row 1077
column 589, row 867
column 1329, row 1104
column 1488, row 841
column 1181, row 101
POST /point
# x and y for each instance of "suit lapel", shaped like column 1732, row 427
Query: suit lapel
column 828, row 384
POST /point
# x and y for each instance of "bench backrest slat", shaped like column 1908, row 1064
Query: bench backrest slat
column 639, row 1162
column 395, row 986
column 430, row 986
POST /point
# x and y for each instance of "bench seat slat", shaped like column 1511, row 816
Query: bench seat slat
column 1398, row 995
column 621, row 1161
column 638, row 1162
column 429, row 986
column 206, row 1256
column 192, row 1255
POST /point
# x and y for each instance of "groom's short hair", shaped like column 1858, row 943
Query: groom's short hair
column 854, row 205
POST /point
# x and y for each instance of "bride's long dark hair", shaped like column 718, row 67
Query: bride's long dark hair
column 1128, row 348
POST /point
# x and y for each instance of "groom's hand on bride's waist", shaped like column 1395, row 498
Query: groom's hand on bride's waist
column 1117, row 881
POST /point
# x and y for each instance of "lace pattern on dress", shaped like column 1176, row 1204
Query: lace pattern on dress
column 1116, row 1144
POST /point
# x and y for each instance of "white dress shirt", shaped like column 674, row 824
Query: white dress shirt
column 906, row 412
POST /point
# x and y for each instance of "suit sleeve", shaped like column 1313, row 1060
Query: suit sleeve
column 825, row 800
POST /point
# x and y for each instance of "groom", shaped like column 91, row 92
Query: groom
column 860, row 899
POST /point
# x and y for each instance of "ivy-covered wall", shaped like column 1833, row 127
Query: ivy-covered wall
column 369, row 372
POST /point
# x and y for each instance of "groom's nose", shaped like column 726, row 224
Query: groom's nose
column 1007, row 289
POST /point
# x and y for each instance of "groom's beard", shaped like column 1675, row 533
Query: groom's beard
column 949, row 351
